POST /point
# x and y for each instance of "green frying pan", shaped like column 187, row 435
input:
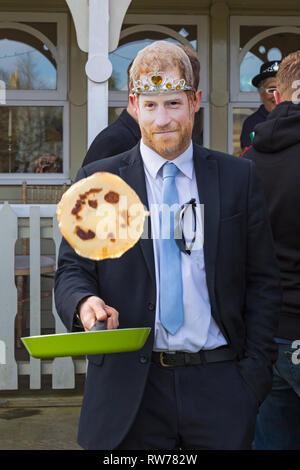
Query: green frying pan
column 95, row 341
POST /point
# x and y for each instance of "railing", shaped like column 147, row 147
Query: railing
column 41, row 223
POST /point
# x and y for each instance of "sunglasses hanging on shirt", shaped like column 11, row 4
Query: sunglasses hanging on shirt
column 180, row 239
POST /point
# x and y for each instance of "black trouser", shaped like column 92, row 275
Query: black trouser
column 205, row 406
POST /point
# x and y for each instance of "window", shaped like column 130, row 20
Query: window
column 139, row 31
column 34, row 117
column 254, row 41
column 26, row 62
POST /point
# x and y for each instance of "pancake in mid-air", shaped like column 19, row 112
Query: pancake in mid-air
column 101, row 216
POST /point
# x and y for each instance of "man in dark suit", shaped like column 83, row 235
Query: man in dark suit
column 212, row 307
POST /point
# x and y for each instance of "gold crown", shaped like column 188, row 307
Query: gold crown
column 158, row 82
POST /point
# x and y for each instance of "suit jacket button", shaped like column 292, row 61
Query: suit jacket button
column 143, row 359
column 151, row 306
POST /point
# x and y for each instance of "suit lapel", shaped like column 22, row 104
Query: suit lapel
column 133, row 174
column 207, row 177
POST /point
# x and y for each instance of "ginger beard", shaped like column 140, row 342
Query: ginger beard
column 168, row 141
column 166, row 121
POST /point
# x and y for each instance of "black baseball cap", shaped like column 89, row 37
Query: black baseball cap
column 269, row 69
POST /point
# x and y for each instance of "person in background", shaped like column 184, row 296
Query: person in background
column 121, row 135
column 124, row 133
column 276, row 154
column 265, row 82
column 47, row 163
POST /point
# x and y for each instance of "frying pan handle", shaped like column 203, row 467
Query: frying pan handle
column 99, row 325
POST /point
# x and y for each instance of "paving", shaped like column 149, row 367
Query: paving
column 40, row 419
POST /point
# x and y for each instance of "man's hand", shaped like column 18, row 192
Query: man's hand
column 94, row 308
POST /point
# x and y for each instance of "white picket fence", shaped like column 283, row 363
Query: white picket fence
column 63, row 369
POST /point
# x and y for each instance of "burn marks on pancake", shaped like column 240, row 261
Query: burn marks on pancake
column 81, row 201
column 84, row 234
column 112, row 197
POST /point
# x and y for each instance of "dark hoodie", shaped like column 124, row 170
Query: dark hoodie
column 276, row 153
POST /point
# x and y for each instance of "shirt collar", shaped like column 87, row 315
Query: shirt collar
column 154, row 162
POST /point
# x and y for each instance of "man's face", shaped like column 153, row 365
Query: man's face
column 268, row 99
column 166, row 121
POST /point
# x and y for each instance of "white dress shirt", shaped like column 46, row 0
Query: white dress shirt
column 199, row 330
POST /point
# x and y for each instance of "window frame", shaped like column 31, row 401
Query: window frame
column 231, row 107
column 43, row 178
column 276, row 24
column 36, row 98
column 15, row 20
column 244, row 99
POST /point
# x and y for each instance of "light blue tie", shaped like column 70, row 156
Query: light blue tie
column 171, row 303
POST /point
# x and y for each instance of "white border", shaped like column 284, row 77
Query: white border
column 44, row 178
column 235, row 53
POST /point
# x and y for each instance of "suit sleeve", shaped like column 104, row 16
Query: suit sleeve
column 263, row 293
column 75, row 279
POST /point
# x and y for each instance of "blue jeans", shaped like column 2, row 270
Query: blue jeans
column 278, row 421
